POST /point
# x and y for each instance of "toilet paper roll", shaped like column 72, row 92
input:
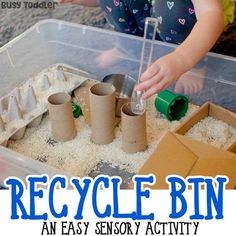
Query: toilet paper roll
column 61, row 117
column 134, row 134
column 102, row 108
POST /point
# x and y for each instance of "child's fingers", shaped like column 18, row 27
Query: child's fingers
column 140, row 87
column 155, row 89
column 149, row 83
column 150, row 72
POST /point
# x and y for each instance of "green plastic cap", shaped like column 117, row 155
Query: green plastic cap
column 173, row 106
column 77, row 112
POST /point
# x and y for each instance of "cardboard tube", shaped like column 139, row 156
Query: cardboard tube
column 102, row 108
column 134, row 134
column 61, row 117
column 82, row 98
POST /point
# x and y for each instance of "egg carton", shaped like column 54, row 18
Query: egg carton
column 25, row 105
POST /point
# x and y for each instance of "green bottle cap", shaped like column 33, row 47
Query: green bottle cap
column 76, row 110
column 173, row 106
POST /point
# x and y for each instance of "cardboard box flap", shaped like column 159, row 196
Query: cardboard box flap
column 217, row 166
column 180, row 155
column 170, row 157
column 212, row 110
column 203, row 150
column 207, row 109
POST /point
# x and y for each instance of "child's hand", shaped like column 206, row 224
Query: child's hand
column 161, row 74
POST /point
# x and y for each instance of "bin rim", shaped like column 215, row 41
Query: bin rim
column 107, row 31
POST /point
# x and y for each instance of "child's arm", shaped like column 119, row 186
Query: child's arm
column 166, row 70
column 87, row 3
column 209, row 26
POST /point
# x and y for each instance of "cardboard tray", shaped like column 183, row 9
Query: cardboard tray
column 209, row 109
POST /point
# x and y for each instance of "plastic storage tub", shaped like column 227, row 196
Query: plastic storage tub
column 53, row 41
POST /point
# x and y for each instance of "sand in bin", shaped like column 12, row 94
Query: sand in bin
column 80, row 156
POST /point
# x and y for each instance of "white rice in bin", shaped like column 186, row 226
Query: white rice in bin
column 214, row 132
column 80, row 156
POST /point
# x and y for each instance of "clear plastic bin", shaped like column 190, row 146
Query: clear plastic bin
column 53, row 41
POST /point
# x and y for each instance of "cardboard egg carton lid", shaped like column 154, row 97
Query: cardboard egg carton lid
column 25, row 105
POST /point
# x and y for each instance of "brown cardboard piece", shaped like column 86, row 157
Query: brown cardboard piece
column 102, row 109
column 232, row 148
column 82, row 99
column 61, row 117
column 209, row 109
column 177, row 154
column 134, row 133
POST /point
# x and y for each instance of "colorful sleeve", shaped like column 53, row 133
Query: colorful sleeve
column 229, row 8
